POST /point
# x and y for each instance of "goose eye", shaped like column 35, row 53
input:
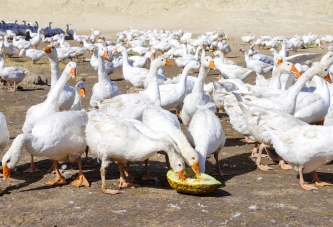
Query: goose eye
column 179, row 165
column 325, row 70
column 52, row 47
column 8, row 160
column 193, row 158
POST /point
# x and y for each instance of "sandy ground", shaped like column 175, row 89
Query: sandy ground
column 249, row 197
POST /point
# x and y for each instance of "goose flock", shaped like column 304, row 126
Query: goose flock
column 280, row 113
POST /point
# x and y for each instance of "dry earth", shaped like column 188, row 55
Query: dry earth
column 249, row 196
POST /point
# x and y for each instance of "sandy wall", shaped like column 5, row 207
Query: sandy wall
column 235, row 17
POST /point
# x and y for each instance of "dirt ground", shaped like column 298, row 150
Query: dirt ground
column 249, row 197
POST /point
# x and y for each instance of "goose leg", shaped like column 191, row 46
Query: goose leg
column 86, row 163
column 271, row 156
column 318, row 182
column 128, row 174
column 80, row 180
column 258, row 161
column 104, row 188
column 59, row 179
column 147, row 175
column 302, row 183
column 254, row 153
column 167, row 161
column 283, row 165
column 122, row 182
column 217, row 110
column 219, row 171
column 32, row 168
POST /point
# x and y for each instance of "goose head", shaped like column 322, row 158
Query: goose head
column 70, row 69
column 160, row 62
column 51, row 52
column 208, row 62
column 288, row 67
column 103, row 52
column 327, row 59
column 177, row 164
column 80, row 88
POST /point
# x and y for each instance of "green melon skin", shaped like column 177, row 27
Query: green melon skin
column 207, row 185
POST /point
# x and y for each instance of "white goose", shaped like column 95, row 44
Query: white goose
column 8, row 48
column 59, row 136
column 49, row 106
column 231, row 71
column 173, row 94
column 104, row 88
column 34, row 55
column 306, row 147
column 94, row 61
column 205, row 133
column 80, row 91
column 161, row 120
column 133, row 105
column 112, row 138
column 67, row 96
column 197, row 97
column 35, row 41
column 256, row 65
column 12, row 74
column 20, row 44
column 4, row 133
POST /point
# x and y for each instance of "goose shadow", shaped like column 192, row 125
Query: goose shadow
column 29, row 89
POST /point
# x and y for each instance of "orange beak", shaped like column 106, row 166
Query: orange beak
column 73, row 72
column 181, row 175
column 6, row 171
column 168, row 63
column 114, row 52
column 83, row 92
column 47, row 49
column 294, row 70
column 195, row 168
column 328, row 78
column 279, row 61
column 106, row 54
column 153, row 54
column 212, row 65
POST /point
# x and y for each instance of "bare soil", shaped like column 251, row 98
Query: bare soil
column 248, row 197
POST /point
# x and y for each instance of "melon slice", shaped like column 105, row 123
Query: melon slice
column 202, row 185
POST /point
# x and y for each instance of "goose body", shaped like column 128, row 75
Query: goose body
column 11, row 74
column 34, row 55
column 50, row 105
column 133, row 105
column 197, row 97
column 205, row 133
column 104, row 88
column 4, row 133
column 112, row 138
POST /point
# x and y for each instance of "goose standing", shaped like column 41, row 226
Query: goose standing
column 49, row 106
column 12, row 74
column 133, row 105
column 59, row 136
column 67, row 96
column 205, row 133
column 197, row 97
column 104, row 88
column 112, row 138
column 35, row 55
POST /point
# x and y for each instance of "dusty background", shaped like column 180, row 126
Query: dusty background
column 235, row 17
column 250, row 197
